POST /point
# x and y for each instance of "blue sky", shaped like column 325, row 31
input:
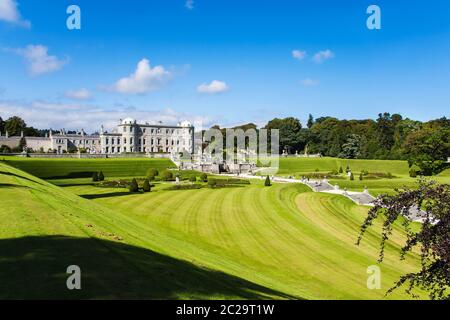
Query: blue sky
column 225, row 62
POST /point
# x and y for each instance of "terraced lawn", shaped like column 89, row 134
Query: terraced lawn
column 298, row 166
column 283, row 237
column 250, row 241
column 78, row 168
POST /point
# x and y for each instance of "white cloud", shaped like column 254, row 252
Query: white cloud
column 321, row 56
column 81, row 94
column 9, row 12
column 189, row 4
column 309, row 82
column 72, row 116
column 143, row 80
column 215, row 86
column 298, row 54
column 38, row 60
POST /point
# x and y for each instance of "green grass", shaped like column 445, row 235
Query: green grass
column 45, row 229
column 297, row 166
column 245, row 242
column 283, row 237
column 399, row 169
column 60, row 168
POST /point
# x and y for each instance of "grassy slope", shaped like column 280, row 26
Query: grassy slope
column 44, row 229
column 46, row 168
column 283, row 237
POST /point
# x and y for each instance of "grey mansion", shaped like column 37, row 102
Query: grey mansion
column 128, row 136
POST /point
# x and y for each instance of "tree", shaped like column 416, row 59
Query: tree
column 2, row 125
column 15, row 126
column 95, row 177
column 433, row 236
column 428, row 148
column 310, row 121
column 341, row 170
column 352, row 177
column 147, row 187
column 133, row 186
column 204, row 177
column 289, row 132
column 101, row 176
column 351, row 149
column 267, row 182
column 5, row 149
column 22, row 144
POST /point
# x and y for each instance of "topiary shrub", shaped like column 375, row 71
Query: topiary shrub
column 95, row 177
column 414, row 171
column 267, row 182
column 341, row 170
column 101, row 176
column 204, row 177
column 347, row 169
column 192, row 178
column 152, row 172
column 133, row 187
column 212, row 183
column 167, row 176
column 147, row 187
column 352, row 177
column 361, row 176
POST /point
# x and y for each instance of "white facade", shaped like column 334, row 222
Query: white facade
column 130, row 136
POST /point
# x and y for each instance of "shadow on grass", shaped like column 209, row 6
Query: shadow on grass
column 35, row 268
column 11, row 185
column 107, row 195
column 64, row 185
column 6, row 173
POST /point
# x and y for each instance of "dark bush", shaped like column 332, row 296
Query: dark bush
column 212, row 183
column 133, row 187
column 101, row 176
column 192, row 178
column 185, row 186
column 167, row 176
column 361, row 176
column 352, row 177
column 147, row 187
column 95, row 177
column 267, row 182
column 204, row 177
column 152, row 172
column 341, row 170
